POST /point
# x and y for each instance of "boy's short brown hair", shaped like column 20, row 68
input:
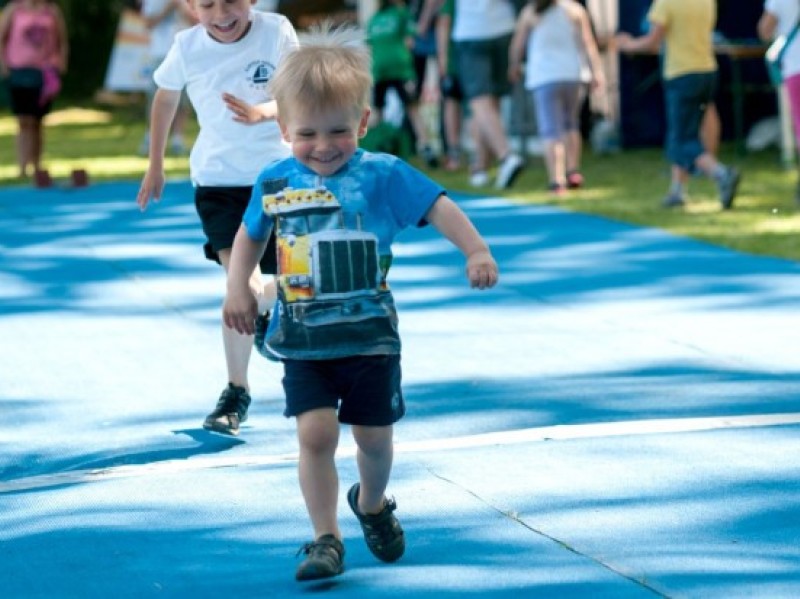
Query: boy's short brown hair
column 330, row 69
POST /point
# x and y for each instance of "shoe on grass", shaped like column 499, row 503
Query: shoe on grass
column 324, row 559
column 382, row 531
column 508, row 171
column 674, row 200
column 231, row 410
column 574, row 180
column 727, row 185
column 479, row 178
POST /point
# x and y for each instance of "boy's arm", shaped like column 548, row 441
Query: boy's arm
column 451, row 222
column 5, row 26
column 250, row 114
column 519, row 41
column 241, row 308
column 165, row 104
column 650, row 42
column 62, row 52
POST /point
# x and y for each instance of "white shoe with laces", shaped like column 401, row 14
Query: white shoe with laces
column 510, row 168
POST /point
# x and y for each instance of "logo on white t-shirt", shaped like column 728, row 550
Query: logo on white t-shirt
column 259, row 73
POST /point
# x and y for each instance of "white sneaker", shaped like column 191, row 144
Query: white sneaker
column 511, row 166
column 479, row 179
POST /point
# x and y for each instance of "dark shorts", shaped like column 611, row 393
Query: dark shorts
column 686, row 98
column 221, row 210
column 24, row 91
column 365, row 389
column 486, row 62
column 450, row 86
column 406, row 91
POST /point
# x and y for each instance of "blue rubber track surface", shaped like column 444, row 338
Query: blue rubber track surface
column 619, row 417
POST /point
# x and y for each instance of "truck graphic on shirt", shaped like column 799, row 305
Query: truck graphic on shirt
column 331, row 280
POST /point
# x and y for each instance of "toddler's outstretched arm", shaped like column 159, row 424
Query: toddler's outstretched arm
column 451, row 222
column 241, row 308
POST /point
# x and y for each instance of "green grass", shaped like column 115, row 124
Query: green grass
column 627, row 186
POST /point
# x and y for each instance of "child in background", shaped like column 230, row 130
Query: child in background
column 224, row 63
column 335, row 210
column 390, row 35
column 562, row 61
column 165, row 18
column 690, row 80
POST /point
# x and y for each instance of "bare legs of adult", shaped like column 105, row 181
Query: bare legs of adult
column 451, row 117
column 30, row 140
column 486, row 115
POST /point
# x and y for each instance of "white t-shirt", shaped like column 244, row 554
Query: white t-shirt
column 162, row 35
column 555, row 51
column 228, row 153
column 786, row 12
column 482, row 19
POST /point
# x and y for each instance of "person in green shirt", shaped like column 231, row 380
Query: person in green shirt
column 390, row 35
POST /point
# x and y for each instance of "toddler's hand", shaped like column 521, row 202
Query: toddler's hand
column 239, row 312
column 482, row 270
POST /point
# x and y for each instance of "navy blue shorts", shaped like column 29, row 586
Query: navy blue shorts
column 686, row 98
column 365, row 389
column 221, row 210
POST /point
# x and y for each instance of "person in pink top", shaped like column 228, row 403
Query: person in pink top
column 33, row 56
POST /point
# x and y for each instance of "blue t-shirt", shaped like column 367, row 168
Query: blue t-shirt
column 333, row 238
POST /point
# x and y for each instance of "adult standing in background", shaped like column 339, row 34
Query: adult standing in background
column 482, row 32
column 165, row 18
column 779, row 18
column 34, row 49
column 563, row 60
column 690, row 79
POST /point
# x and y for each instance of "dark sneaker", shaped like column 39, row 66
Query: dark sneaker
column 230, row 411
column 261, row 326
column 673, row 200
column 429, row 157
column 508, row 171
column 382, row 531
column 727, row 185
column 325, row 559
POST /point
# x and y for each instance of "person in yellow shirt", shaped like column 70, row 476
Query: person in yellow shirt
column 685, row 27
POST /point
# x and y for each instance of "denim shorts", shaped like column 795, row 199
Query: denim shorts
column 558, row 107
column 686, row 98
column 221, row 210
column 365, row 389
column 486, row 62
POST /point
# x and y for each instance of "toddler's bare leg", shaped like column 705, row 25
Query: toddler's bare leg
column 374, row 457
column 318, row 435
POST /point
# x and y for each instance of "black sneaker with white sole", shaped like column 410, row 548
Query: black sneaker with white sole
column 231, row 410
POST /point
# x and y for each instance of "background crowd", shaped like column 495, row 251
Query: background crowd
column 420, row 50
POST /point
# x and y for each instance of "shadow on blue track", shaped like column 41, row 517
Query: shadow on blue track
column 236, row 531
